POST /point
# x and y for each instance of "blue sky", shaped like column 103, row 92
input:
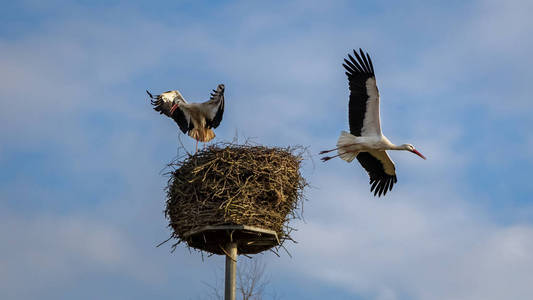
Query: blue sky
column 81, row 188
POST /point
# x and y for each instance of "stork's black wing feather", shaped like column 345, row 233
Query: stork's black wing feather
column 217, row 100
column 358, row 72
column 164, row 107
column 380, row 181
column 179, row 117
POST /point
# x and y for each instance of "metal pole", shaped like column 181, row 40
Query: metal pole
column 231, row 270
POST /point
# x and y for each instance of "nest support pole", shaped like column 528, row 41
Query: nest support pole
column 231, row 271
column 222, row 239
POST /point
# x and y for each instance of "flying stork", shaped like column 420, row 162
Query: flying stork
column 365, row 140
column 196, row 119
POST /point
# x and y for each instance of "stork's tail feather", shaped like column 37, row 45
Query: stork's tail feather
column 345, row 141
column 203, row 135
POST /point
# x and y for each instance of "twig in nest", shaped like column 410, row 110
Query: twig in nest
column 164, row 241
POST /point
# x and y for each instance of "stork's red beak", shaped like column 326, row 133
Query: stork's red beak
column 173, row 109
column 418, row 153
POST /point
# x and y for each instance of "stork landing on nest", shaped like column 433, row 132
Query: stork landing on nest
column 365, row 140
column 195, row 119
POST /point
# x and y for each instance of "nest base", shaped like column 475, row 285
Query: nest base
column 249, row 239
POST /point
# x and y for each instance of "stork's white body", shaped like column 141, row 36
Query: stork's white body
column 350, row 143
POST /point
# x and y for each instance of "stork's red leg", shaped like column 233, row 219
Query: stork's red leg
column 326, row 158
column 344, row 146
column 327, row 151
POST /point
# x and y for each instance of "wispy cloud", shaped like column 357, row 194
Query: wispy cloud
column 50, row 251
column 415, row 246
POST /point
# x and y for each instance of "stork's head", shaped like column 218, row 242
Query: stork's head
column 178, row 98
column 412, row 149
column 177, row 101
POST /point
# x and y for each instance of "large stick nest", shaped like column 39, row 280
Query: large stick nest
column 229, row 184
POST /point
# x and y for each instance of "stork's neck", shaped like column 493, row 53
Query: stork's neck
column 399, row 147
column 185, row 105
